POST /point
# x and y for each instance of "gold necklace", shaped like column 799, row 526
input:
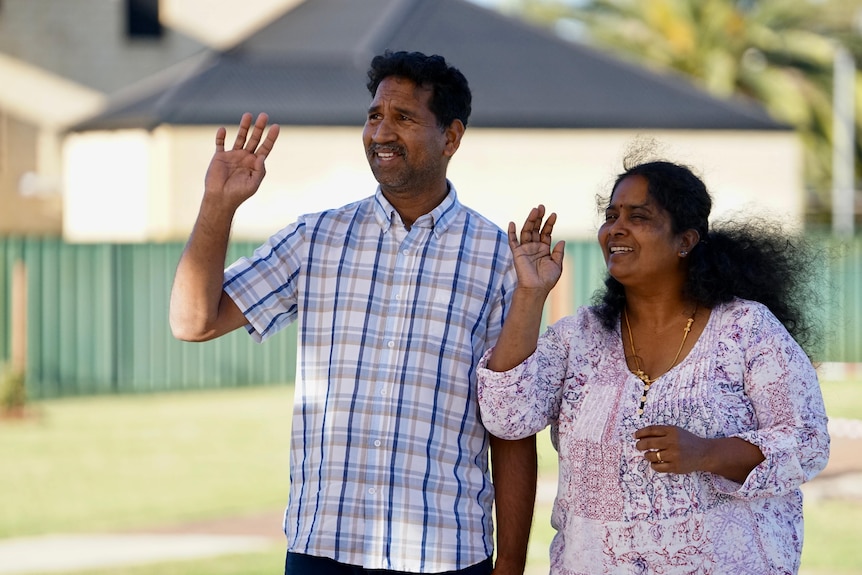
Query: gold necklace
column 647, row 380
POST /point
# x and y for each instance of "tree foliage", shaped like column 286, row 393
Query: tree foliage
column 778, row 52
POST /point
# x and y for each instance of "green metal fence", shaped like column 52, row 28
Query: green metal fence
column 97, row 318
column 97, row 323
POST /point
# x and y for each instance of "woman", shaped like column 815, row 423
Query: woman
column 685, row 413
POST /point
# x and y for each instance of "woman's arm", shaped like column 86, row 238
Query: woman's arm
column 538, row 268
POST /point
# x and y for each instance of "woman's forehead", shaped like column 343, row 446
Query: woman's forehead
column 632, row 190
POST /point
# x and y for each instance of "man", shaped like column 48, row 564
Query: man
column 397, row 297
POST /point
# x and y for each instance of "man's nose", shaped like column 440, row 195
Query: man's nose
column 383, row 131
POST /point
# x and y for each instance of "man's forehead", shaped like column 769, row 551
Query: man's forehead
column 402, row 89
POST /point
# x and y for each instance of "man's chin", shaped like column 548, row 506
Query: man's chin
column 387, row 180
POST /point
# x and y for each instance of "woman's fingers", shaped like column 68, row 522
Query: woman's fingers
column 531, row 231
column 548, row 228
column 534, row 230
column 513, row 234
column 529, row 225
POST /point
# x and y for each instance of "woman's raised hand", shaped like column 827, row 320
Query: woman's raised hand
column 236, row 174
column 537, row 265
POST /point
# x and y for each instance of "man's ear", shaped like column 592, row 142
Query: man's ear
column 453, row 135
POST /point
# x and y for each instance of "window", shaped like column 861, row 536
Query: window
column 142, row 19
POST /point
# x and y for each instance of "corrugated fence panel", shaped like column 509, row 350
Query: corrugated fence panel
column 97, row 318
column 585, row 266
column 844, row 326
column 97, row 323
column 11, row 251
column 150, row 359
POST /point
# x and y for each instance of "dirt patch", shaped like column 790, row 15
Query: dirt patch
column 263, row 524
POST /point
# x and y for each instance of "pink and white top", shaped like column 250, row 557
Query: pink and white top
column 745, row 377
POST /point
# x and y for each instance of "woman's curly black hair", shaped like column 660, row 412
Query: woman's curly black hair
column 753, row 258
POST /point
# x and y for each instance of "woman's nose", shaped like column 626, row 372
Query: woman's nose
column 614, row 227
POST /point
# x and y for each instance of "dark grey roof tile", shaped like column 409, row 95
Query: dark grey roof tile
column 308, row 67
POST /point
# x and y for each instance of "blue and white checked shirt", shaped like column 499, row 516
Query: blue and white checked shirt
column 389, row 460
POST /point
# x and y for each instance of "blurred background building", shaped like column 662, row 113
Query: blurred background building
column 110, row 107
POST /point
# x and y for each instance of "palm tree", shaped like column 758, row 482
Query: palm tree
column 778, row 52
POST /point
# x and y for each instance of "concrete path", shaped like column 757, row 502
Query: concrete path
column 58, row 553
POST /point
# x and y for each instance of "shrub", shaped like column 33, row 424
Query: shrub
column 13, row 391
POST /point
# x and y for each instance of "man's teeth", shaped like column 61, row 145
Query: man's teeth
column 618, row 250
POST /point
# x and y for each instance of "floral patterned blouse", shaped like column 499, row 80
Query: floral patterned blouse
column 745, row 377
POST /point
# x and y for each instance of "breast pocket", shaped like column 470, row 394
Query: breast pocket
column 438, row 311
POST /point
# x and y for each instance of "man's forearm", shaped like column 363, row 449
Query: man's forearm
column 514, row 468
column 197, row 287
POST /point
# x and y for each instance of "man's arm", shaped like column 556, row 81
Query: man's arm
column 200, row 310
column 513, row 468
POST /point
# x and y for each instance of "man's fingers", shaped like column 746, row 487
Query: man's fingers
column 242, row 132
column 221, row 133
column 257, row 132
column 268, row 142
column 251, row 142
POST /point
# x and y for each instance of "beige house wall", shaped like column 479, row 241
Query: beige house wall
column 35, row 106
column 151, row 183
column 507, row 172
column 30, row 200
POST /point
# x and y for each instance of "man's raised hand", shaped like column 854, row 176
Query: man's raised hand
column 235, row 175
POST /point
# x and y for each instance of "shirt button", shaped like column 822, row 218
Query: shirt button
column 406, row 252
column 376, row 443
column 372, row 491
column 391, row 344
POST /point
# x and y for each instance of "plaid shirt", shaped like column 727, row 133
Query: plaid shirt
column 389, row 459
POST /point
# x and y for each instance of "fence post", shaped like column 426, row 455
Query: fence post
column 18, row 344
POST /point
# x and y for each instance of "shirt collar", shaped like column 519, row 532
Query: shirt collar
column 439, row 219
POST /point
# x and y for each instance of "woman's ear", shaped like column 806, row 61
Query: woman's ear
column 689, row 239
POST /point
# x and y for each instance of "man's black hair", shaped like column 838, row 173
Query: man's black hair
column 451, row 98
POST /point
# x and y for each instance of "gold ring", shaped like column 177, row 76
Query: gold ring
column 658, row 455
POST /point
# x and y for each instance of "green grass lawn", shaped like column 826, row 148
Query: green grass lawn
column 108, row 463
column 843, row 398
column 133, row 462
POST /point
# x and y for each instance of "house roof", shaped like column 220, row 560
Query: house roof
column 309, row 67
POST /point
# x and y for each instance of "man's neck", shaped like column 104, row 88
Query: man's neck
column 412, row 205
